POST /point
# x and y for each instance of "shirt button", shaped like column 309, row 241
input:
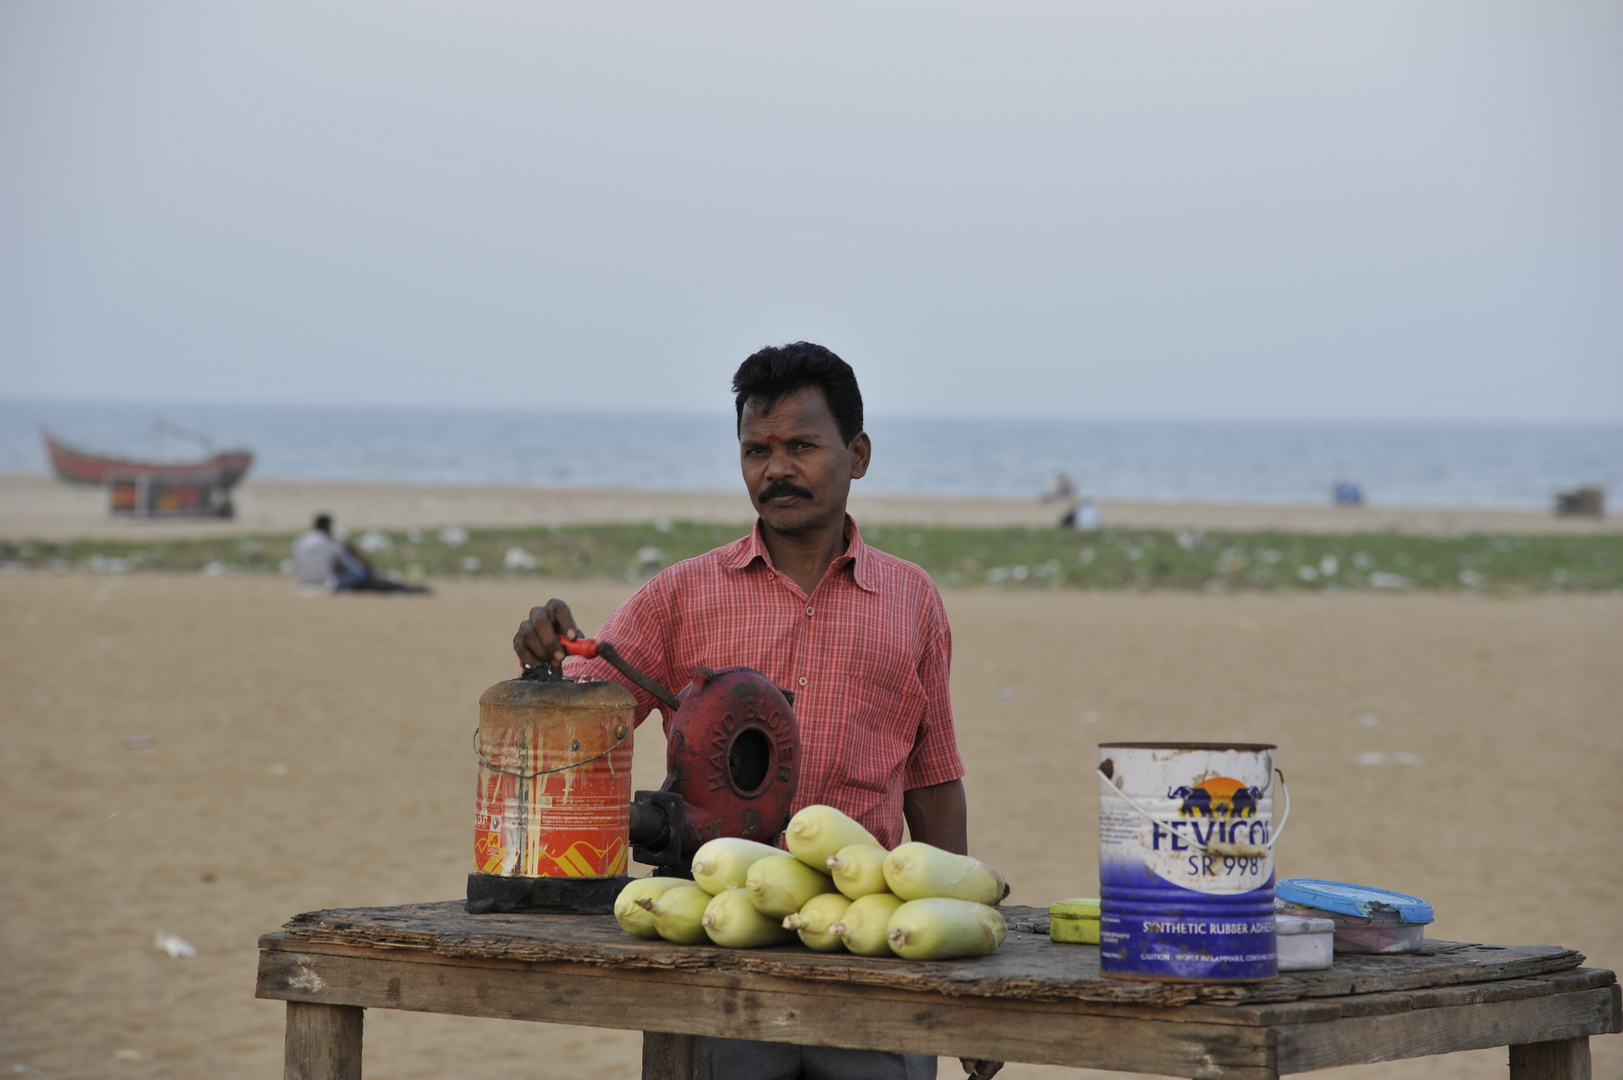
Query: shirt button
column 772, row 577
column 808, row 613
column 803, row 680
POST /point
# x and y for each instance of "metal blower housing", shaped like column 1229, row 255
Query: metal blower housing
column 732, row 753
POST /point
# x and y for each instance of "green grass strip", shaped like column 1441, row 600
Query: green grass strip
column 1008, row 558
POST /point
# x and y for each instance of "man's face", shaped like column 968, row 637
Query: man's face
column 796, row 466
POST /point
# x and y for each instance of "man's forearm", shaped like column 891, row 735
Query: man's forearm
column 939, row 815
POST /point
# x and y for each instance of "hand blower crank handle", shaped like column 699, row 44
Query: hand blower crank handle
column 591, row 648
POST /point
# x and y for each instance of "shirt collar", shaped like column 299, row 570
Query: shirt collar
column 749, row 548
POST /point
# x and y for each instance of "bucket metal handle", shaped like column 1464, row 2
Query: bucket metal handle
column 491, row 766
column 1216, row 847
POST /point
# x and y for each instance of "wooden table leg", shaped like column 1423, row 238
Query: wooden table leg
column 670, row 1057
column 323, row 1042
column 1565, row 1059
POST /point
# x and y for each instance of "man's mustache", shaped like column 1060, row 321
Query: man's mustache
column 783, row 487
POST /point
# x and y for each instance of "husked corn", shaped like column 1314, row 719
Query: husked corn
column 678, row 913
column 634, row 919
column 780, row 885
column 916, row 871
column 937, row 928
column 820, row 831
column 866, row 922
column 812, row 922
column 858, row 870
column 725, row 863
column 731, row 921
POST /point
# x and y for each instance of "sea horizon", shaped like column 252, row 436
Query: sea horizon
column 1441, row 463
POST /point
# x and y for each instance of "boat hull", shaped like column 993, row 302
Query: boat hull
column 223, row 470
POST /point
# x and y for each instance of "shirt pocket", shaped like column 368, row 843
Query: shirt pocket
column 879, row 735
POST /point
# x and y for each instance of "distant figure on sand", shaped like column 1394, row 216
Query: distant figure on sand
column 323, row 561
column 1060, row 486
column 1084, row 516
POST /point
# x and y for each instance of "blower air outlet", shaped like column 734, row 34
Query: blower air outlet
column 749, row 759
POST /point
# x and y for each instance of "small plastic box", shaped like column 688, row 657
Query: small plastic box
column 1304, row 944
column 1367, row 920
column 1074, row 922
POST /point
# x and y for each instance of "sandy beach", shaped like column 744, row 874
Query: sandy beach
column 209, row 756
column 41, row 508
column 511, row 296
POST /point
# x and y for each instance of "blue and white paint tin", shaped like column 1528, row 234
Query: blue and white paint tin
column 1186, row 862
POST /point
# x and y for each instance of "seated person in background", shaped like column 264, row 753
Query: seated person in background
column 318, row 555
column 322, row 560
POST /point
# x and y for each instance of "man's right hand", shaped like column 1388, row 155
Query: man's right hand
column 537, row 639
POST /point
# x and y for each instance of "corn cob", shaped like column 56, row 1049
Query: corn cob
column 731, row 921
column 858, row 870
column 634, row 919
column 725, row 863
column 678, row 913
column 940, row 929
column 865, row 923
column 812, row 922
column 916, row 871
column 820, row 831
column 780, row 885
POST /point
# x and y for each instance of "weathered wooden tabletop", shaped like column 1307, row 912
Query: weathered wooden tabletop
column 1031, row 1001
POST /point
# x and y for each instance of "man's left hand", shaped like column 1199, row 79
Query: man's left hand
column 980, row 1070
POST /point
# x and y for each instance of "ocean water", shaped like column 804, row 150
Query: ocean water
column 1452, row 465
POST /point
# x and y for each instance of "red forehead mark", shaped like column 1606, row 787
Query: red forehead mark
column 773, row 438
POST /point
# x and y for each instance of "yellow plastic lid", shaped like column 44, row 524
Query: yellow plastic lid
column 1074, row 909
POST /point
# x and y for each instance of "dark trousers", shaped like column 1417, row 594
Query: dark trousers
column 366, row 581
column 744, row 1059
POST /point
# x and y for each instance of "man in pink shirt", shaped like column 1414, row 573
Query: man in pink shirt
column 859, row 635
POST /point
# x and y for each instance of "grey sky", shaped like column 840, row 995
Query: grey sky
column 1344, row 210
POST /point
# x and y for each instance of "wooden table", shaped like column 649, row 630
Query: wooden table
column 1031, row 1001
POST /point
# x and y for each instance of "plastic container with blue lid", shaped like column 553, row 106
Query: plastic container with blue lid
column 1368, row 920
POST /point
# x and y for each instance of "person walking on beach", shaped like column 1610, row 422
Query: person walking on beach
column 860, row 636
column 321, row 560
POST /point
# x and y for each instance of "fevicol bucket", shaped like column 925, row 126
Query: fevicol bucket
column 1186, row 863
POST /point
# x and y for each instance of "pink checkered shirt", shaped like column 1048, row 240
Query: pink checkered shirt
column 866, row 656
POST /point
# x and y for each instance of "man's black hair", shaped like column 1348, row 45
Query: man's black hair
column 323, row 523
column 777, row 371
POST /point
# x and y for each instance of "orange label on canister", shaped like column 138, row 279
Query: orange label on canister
column 553, row 799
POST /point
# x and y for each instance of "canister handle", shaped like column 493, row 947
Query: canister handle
column 1218, row 847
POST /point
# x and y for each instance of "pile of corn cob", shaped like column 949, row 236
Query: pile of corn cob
column 837, row 888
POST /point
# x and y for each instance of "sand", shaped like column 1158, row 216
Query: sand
column 313, row 752
column 38, row 507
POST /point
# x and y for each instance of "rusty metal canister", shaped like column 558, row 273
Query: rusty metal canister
column 554, row 779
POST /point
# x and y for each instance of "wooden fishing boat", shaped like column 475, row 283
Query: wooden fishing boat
column 156, row 489
column 221, row 470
